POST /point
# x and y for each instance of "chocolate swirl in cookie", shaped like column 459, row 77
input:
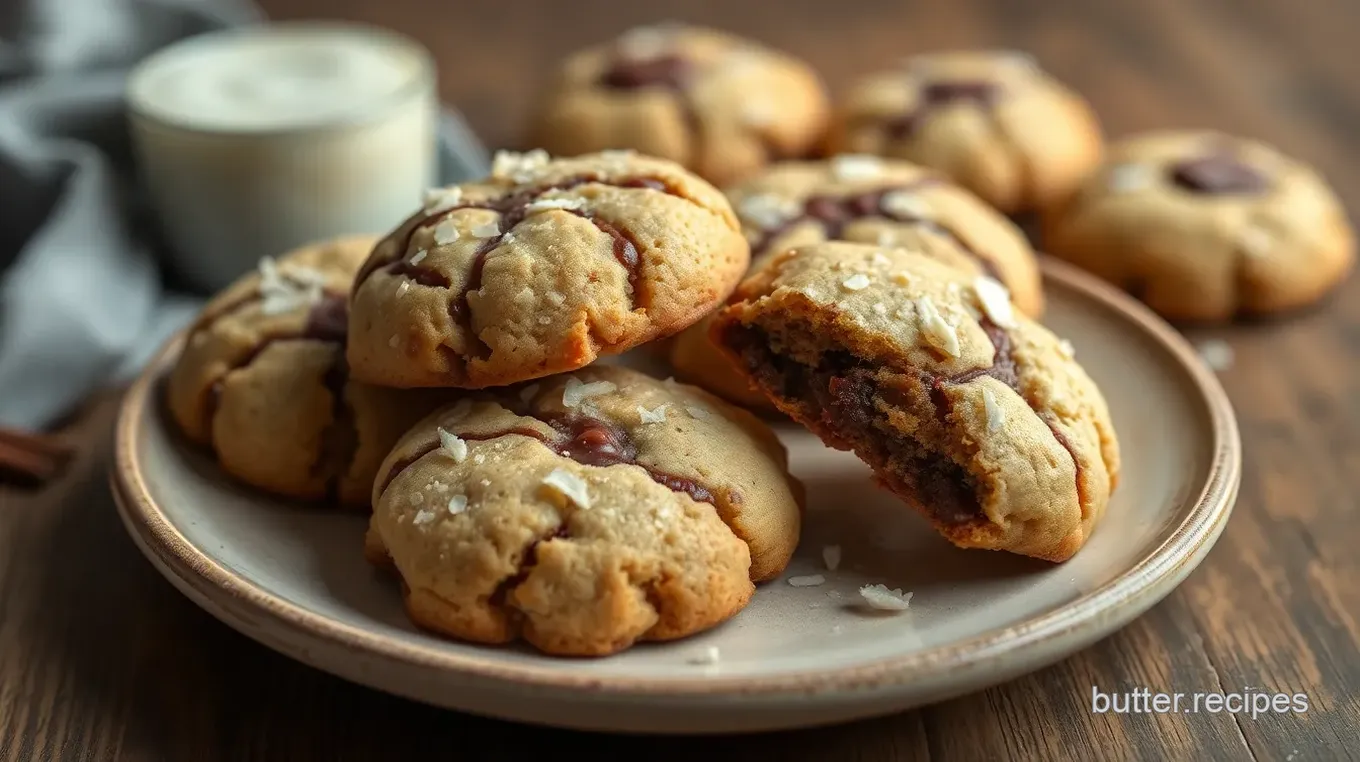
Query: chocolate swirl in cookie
column 1218, row 174
column 936, row 95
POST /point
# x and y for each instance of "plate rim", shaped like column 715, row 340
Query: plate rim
column 1169, row 562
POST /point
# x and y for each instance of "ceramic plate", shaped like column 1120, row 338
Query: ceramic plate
column 292, row 577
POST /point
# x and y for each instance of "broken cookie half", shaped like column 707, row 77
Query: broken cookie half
column 972, row 413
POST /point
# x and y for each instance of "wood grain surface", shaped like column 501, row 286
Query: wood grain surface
column 101, row 659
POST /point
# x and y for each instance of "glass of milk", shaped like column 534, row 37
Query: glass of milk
column 255, row 141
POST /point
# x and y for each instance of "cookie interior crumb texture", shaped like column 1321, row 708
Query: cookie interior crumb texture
column 542, row 268
column 583, row 529
column 1031, row 475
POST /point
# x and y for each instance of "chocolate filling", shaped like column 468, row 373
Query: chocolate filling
column 586, row 440
column 340, row 440
column 836, row 396
column 935, row 95
column 834, row 213
column 1218, row 174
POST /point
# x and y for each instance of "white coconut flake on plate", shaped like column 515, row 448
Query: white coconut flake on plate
column 881, row 598
column 1216, row 353
column 807, row 580
column 709, row 655
column 831, row 556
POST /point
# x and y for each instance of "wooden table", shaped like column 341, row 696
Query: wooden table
column 101, row 659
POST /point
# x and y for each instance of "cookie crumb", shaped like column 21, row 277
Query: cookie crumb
column 403, row 287
column 905, row 205
column 394, row 342
column 1216, row 353
column 458, row 504
column 575, row 392
column 486, row 230
column 807, row 580
column 709, row 655
column 452, row 446
column 700, row 413
column 831, row 556
column 995, row 299
column 768, row 211
column 570, row 486
column 1067, row 349
column 655, row 415
column 436, row 200
column 445, row 233
column 881, row 598
column 518, row 166
column 856, row 166
column 528, row 393
column 419, row 257
column 856, row 282
column 995, row 415
column 939, row 333
column 423, row 516
column 546, row 204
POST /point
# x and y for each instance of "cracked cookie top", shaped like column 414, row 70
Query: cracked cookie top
column 262, row 380
column 720, row 105
column 971, row 412
column 585, row 512
column 1203, row 226
column 540, row 269
column 991, row 120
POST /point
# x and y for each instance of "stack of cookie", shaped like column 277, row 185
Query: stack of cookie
column 458, row 376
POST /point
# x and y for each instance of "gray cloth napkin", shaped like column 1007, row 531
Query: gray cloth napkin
column 82, row 298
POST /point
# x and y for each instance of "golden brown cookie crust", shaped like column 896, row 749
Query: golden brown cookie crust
column 721, row 105
column 584, row 512
column 868, row 200
column 542, row 268
column 262, row 381
column 1278, row 242
column 971, row 412
column 991, row 120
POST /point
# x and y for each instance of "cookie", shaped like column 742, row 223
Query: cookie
column 970, row 412
column 864, row 199
column 262, row 380
column 584, row 513
column 991, row 120
column 1204, row 226
column 540, row 269
column 720, row 105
